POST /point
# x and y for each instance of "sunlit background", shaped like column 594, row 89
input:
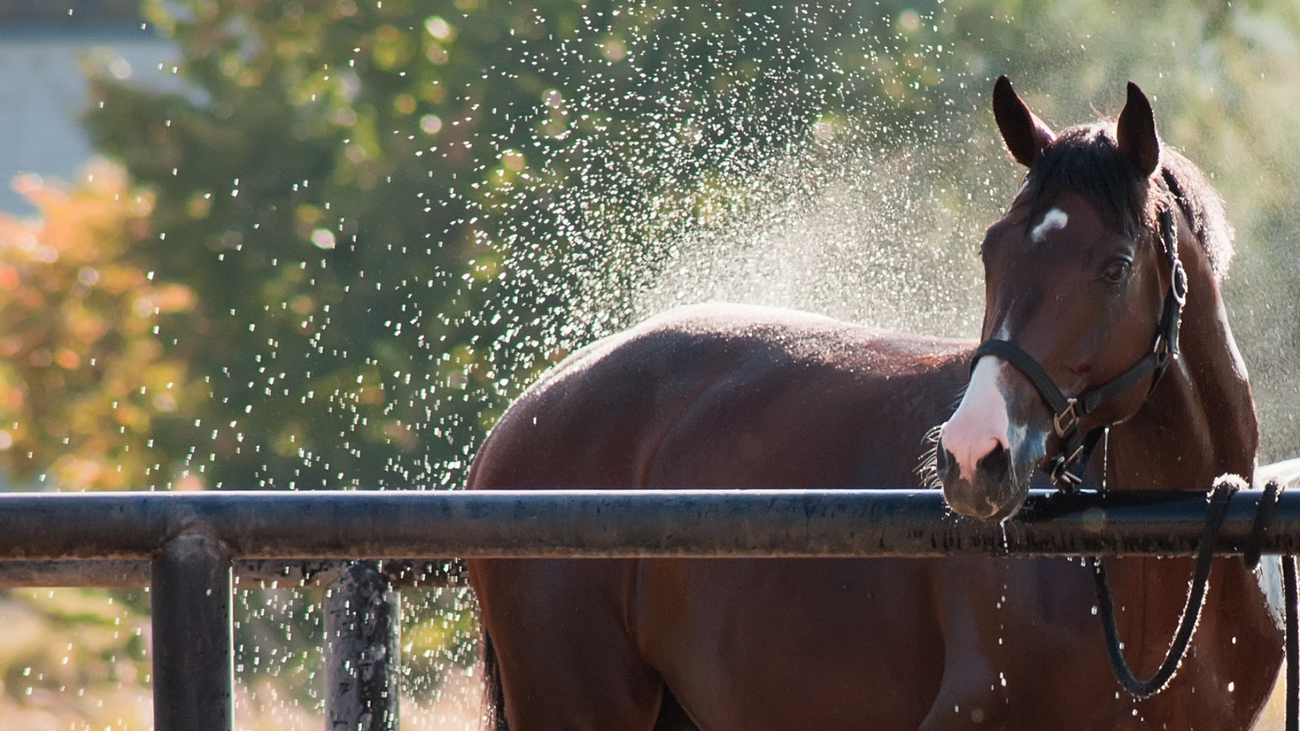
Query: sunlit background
column 259, row 244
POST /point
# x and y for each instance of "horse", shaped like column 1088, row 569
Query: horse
column 1108, row 227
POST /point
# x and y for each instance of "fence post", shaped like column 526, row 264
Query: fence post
column 362, row 651
column 193, row 671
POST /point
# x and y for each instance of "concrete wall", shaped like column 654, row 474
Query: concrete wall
column 43, row 91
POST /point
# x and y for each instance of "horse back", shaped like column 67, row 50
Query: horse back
column 730, row 396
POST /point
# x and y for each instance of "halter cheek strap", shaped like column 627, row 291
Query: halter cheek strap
column 1068, row 467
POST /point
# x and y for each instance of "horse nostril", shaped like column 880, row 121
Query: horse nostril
column 995, row 466
column 943, row 461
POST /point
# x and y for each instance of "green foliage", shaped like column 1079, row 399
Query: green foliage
column 313, row 194
column 346, row 184
column 394, row 214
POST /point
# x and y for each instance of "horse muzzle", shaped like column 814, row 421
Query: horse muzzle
column 992, row 445
column 989, row 492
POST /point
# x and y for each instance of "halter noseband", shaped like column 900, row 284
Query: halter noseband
column 1068, row 467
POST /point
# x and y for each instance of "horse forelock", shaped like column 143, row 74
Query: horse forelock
column 1086, row 160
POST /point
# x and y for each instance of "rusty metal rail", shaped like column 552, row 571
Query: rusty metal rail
column 126, row 573
column 192, row 548
column 278, row 526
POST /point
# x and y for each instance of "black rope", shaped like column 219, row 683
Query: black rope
column 1264, row 513
column 1138, row 688
column 1292, row 645
column 1263, row 516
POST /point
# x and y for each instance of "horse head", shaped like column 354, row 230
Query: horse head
column 1081, row 274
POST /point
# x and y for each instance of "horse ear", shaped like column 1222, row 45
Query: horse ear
column 1024, row 133
column 1136, row 132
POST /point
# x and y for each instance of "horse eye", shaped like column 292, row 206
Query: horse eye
column 1117, row 271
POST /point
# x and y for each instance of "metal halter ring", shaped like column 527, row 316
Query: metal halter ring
column 1061, row 469
column 1178, row 287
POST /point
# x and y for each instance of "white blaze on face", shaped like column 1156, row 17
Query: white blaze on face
column 981, row 422
column 1052, row 220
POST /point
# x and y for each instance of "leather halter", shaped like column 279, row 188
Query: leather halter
column 1068, row 467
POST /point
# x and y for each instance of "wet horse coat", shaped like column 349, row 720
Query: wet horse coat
column 721, row 396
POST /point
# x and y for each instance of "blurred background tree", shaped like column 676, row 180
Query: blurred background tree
column 84, row 382
column 392, row 214
column 347, row 181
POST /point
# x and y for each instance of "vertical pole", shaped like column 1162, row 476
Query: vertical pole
column 193, row 672
column 363, row 651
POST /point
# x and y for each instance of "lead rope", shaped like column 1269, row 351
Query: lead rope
column 1254, row 544
column 1224, row 488
column 1292, row 645
column 1138, row 688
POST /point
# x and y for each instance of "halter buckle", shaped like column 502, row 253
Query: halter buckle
column 1066, row 421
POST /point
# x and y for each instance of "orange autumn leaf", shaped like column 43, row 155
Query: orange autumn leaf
column 83, row 376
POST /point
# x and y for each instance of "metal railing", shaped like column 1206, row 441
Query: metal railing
column 192, row 548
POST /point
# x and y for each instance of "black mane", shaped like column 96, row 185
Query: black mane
column 1087, row 161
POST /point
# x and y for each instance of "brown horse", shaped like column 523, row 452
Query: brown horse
column 745, row 397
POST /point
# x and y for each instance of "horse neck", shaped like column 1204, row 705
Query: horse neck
column 1198, row 424
column 1200, row 421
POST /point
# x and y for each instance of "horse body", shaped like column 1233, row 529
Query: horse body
column 746, row 397
column 802, row 401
